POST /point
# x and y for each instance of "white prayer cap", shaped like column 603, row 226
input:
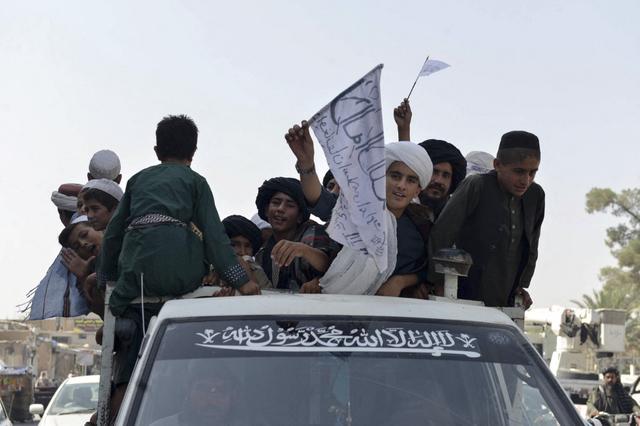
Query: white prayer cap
column 104, row 164
column 79, row 219
column 479, row 162
column 105, row 185
column 262, row 224
column 414, row 156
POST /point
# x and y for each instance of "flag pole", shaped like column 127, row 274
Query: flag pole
column 414, row 83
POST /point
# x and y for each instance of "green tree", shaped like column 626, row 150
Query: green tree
column 621, row 283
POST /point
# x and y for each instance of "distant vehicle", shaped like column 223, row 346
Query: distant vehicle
column 339, row 360
column 72, row 404
column 4, row 416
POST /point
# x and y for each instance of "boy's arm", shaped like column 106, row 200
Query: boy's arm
column 529, row 268
column 217, row 247
column 447, row 228
column 107, row 265
column 402, row 116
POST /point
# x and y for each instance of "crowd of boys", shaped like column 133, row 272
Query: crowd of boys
column 162, row 236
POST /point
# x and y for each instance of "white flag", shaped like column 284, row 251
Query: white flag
column 431, row 65
column 350, row 132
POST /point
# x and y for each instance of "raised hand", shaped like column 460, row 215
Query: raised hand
column 299, row 140
column 77, row 265
column 285, row 252
column 402, row 116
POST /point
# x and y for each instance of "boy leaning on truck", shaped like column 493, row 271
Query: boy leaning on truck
column 496, row 217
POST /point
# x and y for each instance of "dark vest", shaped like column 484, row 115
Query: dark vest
column 485, row 234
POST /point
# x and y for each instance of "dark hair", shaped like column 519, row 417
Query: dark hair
column 63, row 238
column 611, row 369
column 94, row 194
column 176, row 137
column 516, row 155
column 327, row 178
column 66, row 214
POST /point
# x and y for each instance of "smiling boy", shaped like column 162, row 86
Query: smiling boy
column 496, row 217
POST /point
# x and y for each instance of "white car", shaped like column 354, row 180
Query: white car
column 277, row 360
column 4, row 416
column 73, row 403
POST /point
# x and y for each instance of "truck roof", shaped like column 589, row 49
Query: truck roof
column 328, row 304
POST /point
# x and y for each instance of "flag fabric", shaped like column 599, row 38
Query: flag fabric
column 349, row 129
column 431, row 65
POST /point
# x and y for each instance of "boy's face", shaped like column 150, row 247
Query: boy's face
column 403, row 185
column 282, row 212
column 516, row 178
column 98, row 215
column 241, row 246
column 85, row 241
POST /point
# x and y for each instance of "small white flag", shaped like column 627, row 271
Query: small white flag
column 431, row 65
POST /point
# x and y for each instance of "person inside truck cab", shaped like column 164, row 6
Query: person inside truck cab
column 610, row 397
column 408, row 170
column 299, row 251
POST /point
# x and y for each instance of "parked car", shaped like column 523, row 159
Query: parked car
column 72, row 404
column 339, row 360
column 4, row 416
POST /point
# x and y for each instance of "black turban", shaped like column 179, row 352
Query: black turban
column 444, row 152
column 289, row 186
column 519, row 139
column 241, row 226
column 327, row 177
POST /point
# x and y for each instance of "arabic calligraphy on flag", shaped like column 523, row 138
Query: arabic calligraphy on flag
column 431, row 66
column 349, row 129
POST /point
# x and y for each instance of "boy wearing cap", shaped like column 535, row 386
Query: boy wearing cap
column 105, row 164
column 100, row 197
column 496, row 217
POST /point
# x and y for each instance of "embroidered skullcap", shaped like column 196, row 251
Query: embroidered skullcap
column 105, row 185
column 261, row 224
column 519, row 139
column 66, row 197
column 479, row 162
column 241, row 226
column 444, row 152
column 289, row 186
column 415, row 157
column 104, row 164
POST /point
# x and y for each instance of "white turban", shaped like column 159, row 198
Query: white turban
column 104, row 164
column 261, row 224
column 414, row 156
column 64, row 202
column 105, row 185
column 79, row 219
column 479, row 162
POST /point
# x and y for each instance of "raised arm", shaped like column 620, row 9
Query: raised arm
column 402, row 116
column 299, row 140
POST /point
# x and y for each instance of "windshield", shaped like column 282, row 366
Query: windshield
column 74, row 398
column 315, row 371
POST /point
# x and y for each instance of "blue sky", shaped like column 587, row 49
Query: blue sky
column 82, row 76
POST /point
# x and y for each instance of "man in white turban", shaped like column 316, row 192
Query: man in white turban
column 409, row 170
column 105, row 164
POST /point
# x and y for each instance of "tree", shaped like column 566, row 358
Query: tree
column 621, row 283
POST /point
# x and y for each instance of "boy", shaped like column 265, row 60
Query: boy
column 496, row 217
column 246, row 240
column 409, row 170
column 299, row 251
column 166, row 230
column 100, row 197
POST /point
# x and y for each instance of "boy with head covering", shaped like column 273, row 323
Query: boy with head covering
column 66, row 201
column 496, row 217
column 105, row 164
column 299, row 249
column 246, row 241
column 100, row 197
column 408, row 171
column 449, row 165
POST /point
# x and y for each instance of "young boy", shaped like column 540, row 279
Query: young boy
column 100, row 197
column 496, row 217
column 166, row 230
column 246, row 240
